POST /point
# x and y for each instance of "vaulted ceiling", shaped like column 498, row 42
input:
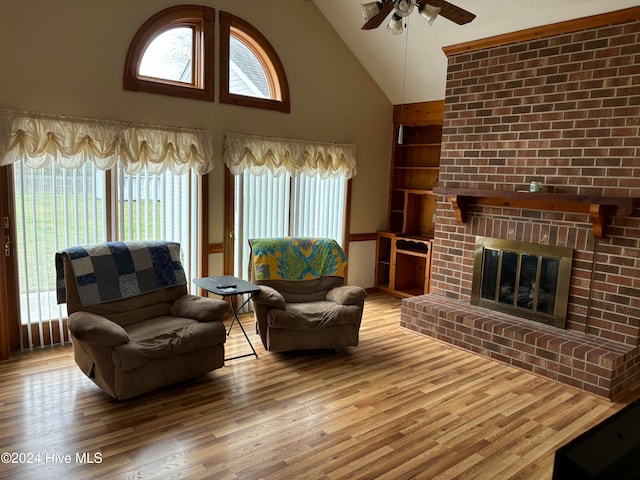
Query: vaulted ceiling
column 383, row 54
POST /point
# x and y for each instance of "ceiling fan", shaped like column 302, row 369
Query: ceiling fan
column 375, row 12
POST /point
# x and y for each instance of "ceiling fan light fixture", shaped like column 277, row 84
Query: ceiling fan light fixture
column 403, row 8
column 429, row 12
column 395, row 25
column 370, row 10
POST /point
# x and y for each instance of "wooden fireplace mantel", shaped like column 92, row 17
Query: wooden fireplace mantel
column 599, row 208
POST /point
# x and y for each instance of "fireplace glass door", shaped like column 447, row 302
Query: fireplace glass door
column 527, row 280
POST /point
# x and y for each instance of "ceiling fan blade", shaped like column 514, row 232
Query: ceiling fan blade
column 377, row 19
column 447, row 10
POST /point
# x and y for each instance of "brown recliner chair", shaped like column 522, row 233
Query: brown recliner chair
column 133, row 344
column 307, row 306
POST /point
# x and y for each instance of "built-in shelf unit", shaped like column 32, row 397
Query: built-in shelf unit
column 403, row 257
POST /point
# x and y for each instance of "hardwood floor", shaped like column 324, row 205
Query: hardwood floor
column 398, row 406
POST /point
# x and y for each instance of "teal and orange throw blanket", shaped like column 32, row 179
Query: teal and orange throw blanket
column 297, row 258
column 110, row 271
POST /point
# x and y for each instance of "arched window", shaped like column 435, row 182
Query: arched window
column 251, row 73
column 169, row 56
column 173, row 54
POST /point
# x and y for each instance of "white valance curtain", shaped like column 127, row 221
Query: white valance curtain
column 280, row 155
column 41, row 139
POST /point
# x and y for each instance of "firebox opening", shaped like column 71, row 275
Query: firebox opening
column 523, row 279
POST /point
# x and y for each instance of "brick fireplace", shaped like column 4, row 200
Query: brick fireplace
column 563, row 110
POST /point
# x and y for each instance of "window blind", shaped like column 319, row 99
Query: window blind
column 58, row 207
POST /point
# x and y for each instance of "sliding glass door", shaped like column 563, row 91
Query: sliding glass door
column 160, row 207
column 56, row 208
column 269, row 206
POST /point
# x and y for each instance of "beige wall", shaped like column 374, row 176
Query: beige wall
column 67, row 57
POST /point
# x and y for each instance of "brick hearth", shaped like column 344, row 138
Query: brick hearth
column 563, row 110
column 587, row 362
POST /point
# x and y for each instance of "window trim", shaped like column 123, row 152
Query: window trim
column 202, row 20
column 267, row 56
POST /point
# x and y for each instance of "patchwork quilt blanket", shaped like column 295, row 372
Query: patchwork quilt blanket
column 297, row 258
column 111, row 271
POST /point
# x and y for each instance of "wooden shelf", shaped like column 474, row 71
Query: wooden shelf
column 412, row 253
column 414, row 145
column 599, row 208
column 416, row 191
column 403, row 252
column 422, row 167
